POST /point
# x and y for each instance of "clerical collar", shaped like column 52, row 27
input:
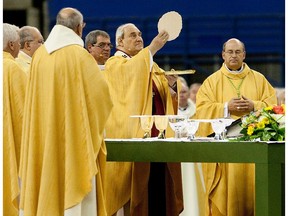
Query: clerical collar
column 183, row 108
column 101, row 67
column 235, row 71
column 61, row 36
column 121, row 53
column 26, row 55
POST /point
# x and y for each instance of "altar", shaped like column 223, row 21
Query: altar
column 269, row 159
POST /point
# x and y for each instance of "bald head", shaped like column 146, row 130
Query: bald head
column 233, row 54
column 234, row 40
column 71, row 18
column 30, row 39
column 28, row 33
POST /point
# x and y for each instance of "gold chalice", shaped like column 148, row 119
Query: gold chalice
column 161, row 123
column 146, row 122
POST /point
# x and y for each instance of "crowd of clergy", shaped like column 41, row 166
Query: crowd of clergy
column 64, row 96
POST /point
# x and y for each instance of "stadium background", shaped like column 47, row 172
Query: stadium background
column 207, row 24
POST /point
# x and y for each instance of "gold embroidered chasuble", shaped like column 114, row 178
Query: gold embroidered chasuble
column 14, row 80
column 130, row 84
column 63, row 145
column 230, row 187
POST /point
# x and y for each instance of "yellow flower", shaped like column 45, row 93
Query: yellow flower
column 261, row 125
column 265, row 124
column 265, row 120
column 250, row 130
column 269, row 108
column 284, row 107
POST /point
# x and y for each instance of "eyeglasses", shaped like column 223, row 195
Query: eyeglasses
column 103, row 45
column 237, row 52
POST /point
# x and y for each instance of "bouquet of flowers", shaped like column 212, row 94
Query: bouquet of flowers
column 267, row 124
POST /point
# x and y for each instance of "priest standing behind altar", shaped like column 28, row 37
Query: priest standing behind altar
column 185, row 106
column 67, row 104
column 232, row 91
column 98, row 44
column 193, row 89
column 139, row 87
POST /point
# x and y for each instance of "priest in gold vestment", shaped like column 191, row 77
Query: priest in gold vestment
column 139, row 87
column 30, row 39
column 232, row 91
column 67, row 105
column 14, row 86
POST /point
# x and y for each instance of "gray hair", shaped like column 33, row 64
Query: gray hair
column 10, row 33
column 183, row 80
column 69, row 17
column 26, row 34
column 243, row 45
column 91, row 37
column 120, row 32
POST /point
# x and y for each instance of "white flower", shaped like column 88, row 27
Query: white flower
column 280, row 118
